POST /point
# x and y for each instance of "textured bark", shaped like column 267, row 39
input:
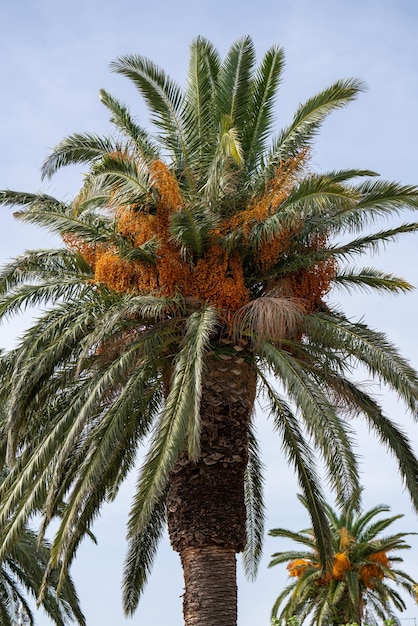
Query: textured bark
column 210, row 597
column 206, row 504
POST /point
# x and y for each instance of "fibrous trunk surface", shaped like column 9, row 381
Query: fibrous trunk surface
column 206, row 503
column 210, row 597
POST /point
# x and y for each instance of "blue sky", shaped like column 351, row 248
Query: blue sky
column 54, row 58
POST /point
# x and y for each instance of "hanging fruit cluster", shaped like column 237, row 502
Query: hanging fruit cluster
column 368, row 574
column 218, row 276
column 372, row 572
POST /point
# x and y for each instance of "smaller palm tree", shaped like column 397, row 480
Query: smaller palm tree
column 22, row 572
column 356, row 585
column 21, row 575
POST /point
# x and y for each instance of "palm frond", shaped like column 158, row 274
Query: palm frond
column 164, row 99
column 254, row 482
column 234, row 82
column 302, row 458
column 320, row 417
column 371, row 243
column 370, row 279
column 369, row 347
column 263, row 91
column 140, row 557
column 122, row 119
column 49, row 292
column 78, row 148
column 125, row 176
column 190, row 227
column 310, row 116
column 199, row 102
column 39, row 264
column 180, row 417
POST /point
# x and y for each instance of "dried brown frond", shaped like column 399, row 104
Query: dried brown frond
column 269, row 318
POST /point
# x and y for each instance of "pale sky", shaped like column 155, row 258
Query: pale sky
column 54, row 58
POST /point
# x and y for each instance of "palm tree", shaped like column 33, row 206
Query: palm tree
column 357, row 584
column 195, row 272
column 21, row 575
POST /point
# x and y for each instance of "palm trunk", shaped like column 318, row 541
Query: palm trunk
column 210, row 586
column 206, row 504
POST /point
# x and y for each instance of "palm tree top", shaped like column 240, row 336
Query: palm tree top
column 197, row 258
column 357, row 583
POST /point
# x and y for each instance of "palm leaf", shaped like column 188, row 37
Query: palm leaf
column 123, row 120
column 164, row 99
column 264, row 88
column 309, row 117
column 255, row 509
column 301, row 457
column 140, row 557
column 234, row 82
column 369, row 278
column 78, row 148
column 179, row 418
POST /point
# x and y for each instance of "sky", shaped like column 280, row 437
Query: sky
column 54, row 58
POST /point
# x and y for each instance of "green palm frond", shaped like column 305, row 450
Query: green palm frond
column 89, row 226
column 312, row 199
column 369, row 278
column 263, row 90
column 123, row 174
column 369, row 347
column 199, row 102
column 378, row 527
column 372, row 243
column 310, row 116
column 398, row 444
column 78, row 148
column 98, row 465
column 180, row 417
column 35, row 201
column 377, row 200
column 190, row 227
column 234, row 82
column 254, row 483
column 164, row 99
column 321, row 420
column 38, row 264
column 301, row 457
column 342, row 176
column 363, row 522
column 34, row 295
column 122, row 119
column 140, row 557
column 26, row 564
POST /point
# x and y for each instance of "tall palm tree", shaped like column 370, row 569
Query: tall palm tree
column 357, row 584
column 195, row 273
